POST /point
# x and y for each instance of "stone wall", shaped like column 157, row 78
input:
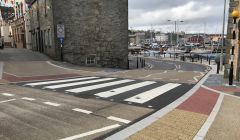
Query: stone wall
column 93, row 28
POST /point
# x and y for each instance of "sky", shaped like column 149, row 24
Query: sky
column 199, row 16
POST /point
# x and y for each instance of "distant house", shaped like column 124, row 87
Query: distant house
column 196, row 39
column 6, row 14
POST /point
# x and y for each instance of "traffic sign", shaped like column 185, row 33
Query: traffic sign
column 60, row 31
column 61, row 40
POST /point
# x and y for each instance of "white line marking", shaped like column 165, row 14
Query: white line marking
column 118, row 119
column 203, row 131
column 78, row 83
column 8, row 94
column 59, row 81
column 149, row 95
column 28, row 99
column 195, row 79
column 7, row 101
column 220, row 92
column 82, row 111
column 117, row 91
column 88, row 88
column 202, row 73
column 52, row 104
column 92, row 132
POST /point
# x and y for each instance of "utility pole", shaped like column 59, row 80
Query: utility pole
column 223, row 29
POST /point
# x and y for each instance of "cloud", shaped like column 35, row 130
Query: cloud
column 195, row 13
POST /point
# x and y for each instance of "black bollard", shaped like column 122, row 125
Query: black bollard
column 209, row 61
column 192, row 59
column 218, row 67
column 231, row 74
column 128, row 67
column 137, row 62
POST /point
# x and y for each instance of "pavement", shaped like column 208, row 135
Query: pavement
column 211, row 113
column 55, row 100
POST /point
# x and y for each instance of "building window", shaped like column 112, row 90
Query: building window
column 90, row 60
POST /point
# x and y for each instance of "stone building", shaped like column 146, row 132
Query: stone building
column 234, row 4
column 96, row 31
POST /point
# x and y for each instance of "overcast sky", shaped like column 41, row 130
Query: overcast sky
column 198, row 15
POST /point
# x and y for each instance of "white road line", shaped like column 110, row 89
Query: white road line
column 82, row 111
column 8, row 94
column 78, row 83
column 52, row 104
column 195, row 79
column 118, row 119
column 149, row 95
column 7, row 101
column 123, row 89
column 88, row 88
column 28, row 99
column 59, row 81
column 92, row 132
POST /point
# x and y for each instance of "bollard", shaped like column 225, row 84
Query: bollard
column 170, row 55
column 209, row 61
column 201, row 60
column 192, row 59
column 218, row 67
column 128, row 67
column 231, row 74
column 137, row 62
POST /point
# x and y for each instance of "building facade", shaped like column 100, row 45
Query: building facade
column 234, row 4
column 96, row 31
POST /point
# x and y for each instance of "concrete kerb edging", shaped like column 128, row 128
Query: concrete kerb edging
column 204, row 129
column 127, row 132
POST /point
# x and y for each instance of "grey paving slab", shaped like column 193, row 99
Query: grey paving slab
column 214, row 80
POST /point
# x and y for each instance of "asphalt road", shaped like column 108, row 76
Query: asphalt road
column 84, row 110
column 30, row 114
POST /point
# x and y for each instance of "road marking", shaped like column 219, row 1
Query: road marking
column 118, row 119
column 7, row 101
column 59, row 81
column 82, row 111
column 92, row 132
column 88, row 88
column 195, row 79
column 149, row 95
column 28, row 99
column 202, row 73
column 123, row 89
column 8, row 94
column 78, row 83
column 52, row 104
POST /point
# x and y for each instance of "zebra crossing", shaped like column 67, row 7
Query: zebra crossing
column 149, row 94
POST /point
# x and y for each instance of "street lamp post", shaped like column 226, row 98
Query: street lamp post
column 235, row 15
column 224, row 16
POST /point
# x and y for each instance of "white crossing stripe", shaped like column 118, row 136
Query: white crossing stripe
column 82, row 111
column 59, row 81
column 88, row 88
column 28, row 99
column 8, row 94
column 7, row 101
column 149, row 95
column 120, row 90
column 118, row 119
column 52, row 104
column 92, row 132
column 78, row 83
